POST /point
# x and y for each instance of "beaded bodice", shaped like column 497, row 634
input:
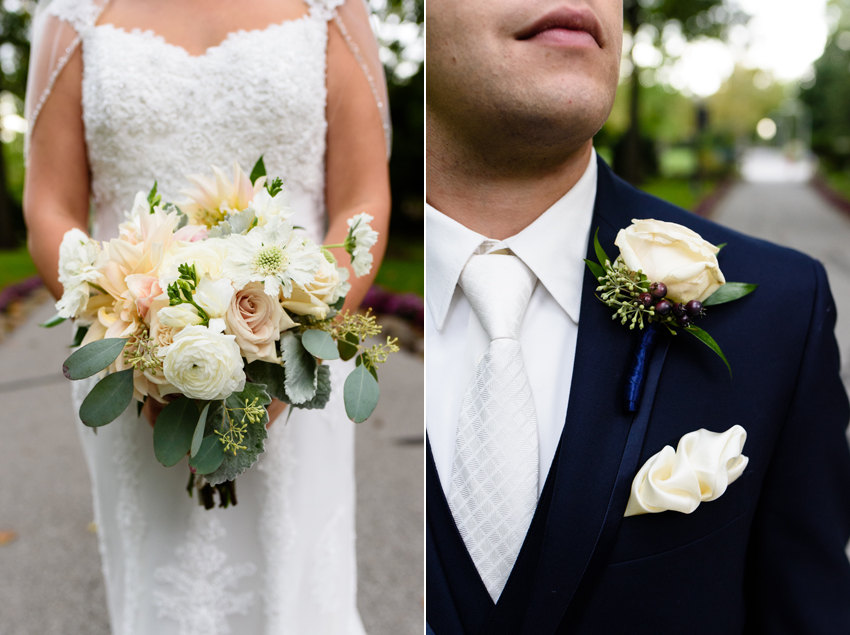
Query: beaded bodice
column 152, row 111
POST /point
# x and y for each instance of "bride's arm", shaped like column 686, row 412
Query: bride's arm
column 56, row 187
column 357, row 177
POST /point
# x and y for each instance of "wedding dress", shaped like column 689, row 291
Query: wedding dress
column 283, row 559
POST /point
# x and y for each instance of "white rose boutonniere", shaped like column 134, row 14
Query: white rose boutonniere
column 665, row 275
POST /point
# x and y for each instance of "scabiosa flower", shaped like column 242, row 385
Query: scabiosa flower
column 274, row 255
column 361, row 238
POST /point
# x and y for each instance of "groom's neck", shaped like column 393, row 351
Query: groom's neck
column 499, row 196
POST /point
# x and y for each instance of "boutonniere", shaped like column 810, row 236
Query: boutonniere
column 664, row 278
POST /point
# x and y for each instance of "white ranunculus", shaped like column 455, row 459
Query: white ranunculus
column 214, row 297
column 674, row 255
column 203, row 364
column 179, row 316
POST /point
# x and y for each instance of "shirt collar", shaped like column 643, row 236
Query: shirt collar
column 553, row 247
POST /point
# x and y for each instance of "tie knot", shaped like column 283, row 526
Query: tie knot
column 498, row 288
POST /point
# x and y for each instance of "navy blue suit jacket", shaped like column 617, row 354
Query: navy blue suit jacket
column 767, row 556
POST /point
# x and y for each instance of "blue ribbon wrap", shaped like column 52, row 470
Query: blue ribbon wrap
column 637, row 373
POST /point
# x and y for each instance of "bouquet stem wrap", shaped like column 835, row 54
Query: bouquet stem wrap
column 637, row 374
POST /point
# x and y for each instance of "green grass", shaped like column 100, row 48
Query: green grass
column 15, row 265
column 403, row 268
column 839, row 181
column 681, row 192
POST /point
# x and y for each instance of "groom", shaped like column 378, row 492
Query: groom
column 531, row 452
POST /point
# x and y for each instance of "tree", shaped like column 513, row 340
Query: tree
column 15, row 17
column 695, row 18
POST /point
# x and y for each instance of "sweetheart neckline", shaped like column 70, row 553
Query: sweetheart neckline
column 212, row 50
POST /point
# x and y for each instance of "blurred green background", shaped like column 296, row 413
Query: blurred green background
column 398, row 24
column 704, row 82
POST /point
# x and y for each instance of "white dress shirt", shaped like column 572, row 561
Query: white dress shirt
column 553, row 247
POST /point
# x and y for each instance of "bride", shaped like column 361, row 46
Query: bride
column 125, row 92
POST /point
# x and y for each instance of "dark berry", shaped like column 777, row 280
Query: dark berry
column 645, row 299
column 678, row 309
column 663, row 307
column 694, row 308
column 658, row 290
column 683, row 320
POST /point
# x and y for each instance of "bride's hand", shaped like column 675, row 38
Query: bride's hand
column 275, row 408
column 151, row 410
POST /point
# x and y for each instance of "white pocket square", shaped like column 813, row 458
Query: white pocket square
column 700, row 469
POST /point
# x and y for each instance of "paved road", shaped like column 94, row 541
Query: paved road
column 795, row 215
column 50, row 580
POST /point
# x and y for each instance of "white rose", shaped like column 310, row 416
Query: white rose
column 254, row 318
column 674, row 255
column 179, row 316
column 203, row 364
column 315, row 298
column 214, row 297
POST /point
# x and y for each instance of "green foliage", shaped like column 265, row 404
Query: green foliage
column 209, row 457
column 275, row 186
column 154, row 199
column 706, row 339
column 323, row 390
column 93, row 358
column 259, row 170
column 174, row 429
column 108, row 399
column 269, row 374
column 198, row 435
column 79, row 336
column 56, row 320
column 360, row 394
column 320, row 344
column 729, row 292
column 223, row 417
column 299, row 367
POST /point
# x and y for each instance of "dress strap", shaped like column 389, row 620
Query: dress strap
column 80, row 14
column 324, row 9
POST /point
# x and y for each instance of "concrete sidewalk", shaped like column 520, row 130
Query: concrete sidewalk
column 50, row 580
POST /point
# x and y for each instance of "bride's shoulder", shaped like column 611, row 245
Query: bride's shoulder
column 78, row 13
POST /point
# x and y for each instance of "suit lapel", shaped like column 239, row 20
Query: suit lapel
column 600, row 443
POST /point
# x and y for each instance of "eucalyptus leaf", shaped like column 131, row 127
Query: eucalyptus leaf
column 597, row 270
column 54, row 321
column 108, row 399
column 258, row 171
column 198, row 437
column 347, row 346
column 79, row 336
column 601, row 256
column 706, row 339
column 729, row 292
column 300, row 368
column 209, row 457
column 174, row 429
column 320, row 344
column 93, row 358
column 360, row 394
column 270, row 374
column 254, row 436
column 337, row 306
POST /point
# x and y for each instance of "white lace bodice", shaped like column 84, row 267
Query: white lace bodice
column 152, row 111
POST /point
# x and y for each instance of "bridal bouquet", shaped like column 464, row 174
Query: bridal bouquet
column 214, row 308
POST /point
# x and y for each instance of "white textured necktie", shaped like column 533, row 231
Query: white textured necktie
column 493, row 492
